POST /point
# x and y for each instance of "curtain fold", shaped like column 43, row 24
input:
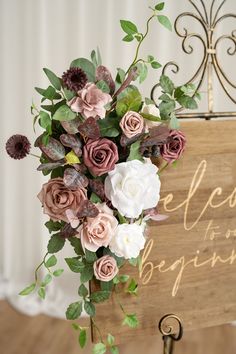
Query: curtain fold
column 41, row 33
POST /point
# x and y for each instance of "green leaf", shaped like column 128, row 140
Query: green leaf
column 94, row 198
column 128, row 27
column 187, row 102
column 55, row 81
column 156, row 65
column 128, row 38
column 75, row 326
column 160, row 6
column 83, row 291
column 148, row 101
column 86, row 273
column 100, row 296
column 75, row 264
column 166, row 108
column 165, row 97
column 122, row 219
column 76, row 244
column 99, row 348
column 102, row 85
column 129, row 100
column 133, row 261
column 45, row 122
column 109, row 127
column 120, row 77
column 131, row 321
column 51, row 94
column 82, row 338
column 56, row 243
column 68, row 94
column 94, row 58
column 74, row 310
column 150, row 58
column 132, row 288
column 28, row 290
column 110, row 339
column 42, row 293
column 52, row 261
column 99, row 58
column 166, row 84
column 87, row 66
column 164, row 21
column 134, row 152
column 106, row 285
column 64, row 113
column 91, row 257
column 150, row 117
column 46, row 280
column 89, row 308
column 143, row 73
column 58, row 272
column 174, row 122
column 123, row 278
column 53, row 225
column 114, row 350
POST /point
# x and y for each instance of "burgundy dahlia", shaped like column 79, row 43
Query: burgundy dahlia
column 18, row 146
column 74, row 79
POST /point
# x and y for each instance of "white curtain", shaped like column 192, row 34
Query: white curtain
column 41, row 33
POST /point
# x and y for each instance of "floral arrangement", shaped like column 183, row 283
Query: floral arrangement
column 98, row 140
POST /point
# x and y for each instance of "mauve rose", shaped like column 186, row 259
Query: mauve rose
column 97, row 232
column 105, row 268
column 132, row 124
column 100, row 156
column 174, row 149
column 56, row 199
column 90, row 102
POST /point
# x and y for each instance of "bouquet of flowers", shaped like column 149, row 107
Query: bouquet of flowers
column 98, row 140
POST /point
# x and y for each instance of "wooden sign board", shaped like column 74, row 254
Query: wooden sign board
column 189, row 263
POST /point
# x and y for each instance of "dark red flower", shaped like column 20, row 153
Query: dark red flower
column 74, row 79
column 18, row 146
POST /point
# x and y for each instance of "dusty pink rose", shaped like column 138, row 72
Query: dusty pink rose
column 174, row 149
column 90, row 102
column 105, row 268
column 100, row 156
column 132, row 124
column 97, row 232
column 56, row 199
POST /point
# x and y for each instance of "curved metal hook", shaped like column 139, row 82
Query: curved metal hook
column 167, row 330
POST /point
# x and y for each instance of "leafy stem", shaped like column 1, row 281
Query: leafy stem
column 39, row 266
column 97, row 328
column 143, row 36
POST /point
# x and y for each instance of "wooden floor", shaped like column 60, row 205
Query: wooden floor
column 20, row 334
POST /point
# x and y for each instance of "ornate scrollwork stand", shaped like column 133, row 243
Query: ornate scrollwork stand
column 169, row 334
column 208, row 14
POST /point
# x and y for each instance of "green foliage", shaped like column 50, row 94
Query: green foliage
column 53, row 226
column 114, row 350
column 75, row 264
column 106, row 285
column 55, row 81
column 58, row 272
column 129, row 100
column 83, row 291
column 76, row 244
column 45, row 122
column 109, row 127
column 164, row 21
column 150, row 117
column 166, row 108
column 135, row 152
column 64, row 113
column 174, row 122
column 134, row 261
column 132, row 287
column 128, row 27
column 28, row 290
column 94, row 198
column 89, row 308
column 68, row 94
column 100, row 296
column 122, row 219
column 128, row 38
column 46, row 280
column 82, row 338
column 143, row 71
column 120, row 77
column 86, row 273
column 96, row 58
column 56, row 243
column 99, row 348
column 156, row 65
column 131, row 321
column 187, row 102
column 91, row 257
column 123, row 278
column 166, row 84
column 160, row 6
column 110, row 339
column 87, row 66
column 74, row 310
column 102, row 85
column 42, row 293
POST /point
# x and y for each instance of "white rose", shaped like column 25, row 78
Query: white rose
column 128, row 240
column 154, row 111
column 133, row 186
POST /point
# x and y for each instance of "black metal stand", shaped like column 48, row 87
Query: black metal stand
column 169, row 334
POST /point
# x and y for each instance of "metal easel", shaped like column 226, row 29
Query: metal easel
column 170, row 335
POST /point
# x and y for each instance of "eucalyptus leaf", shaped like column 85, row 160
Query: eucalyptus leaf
column 55, row 81
column 64, row 113
column 135, row 152
column 87, row 66
column 129, row 100
column 109, row 127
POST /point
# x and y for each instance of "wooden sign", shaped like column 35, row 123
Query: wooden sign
column 189, row 263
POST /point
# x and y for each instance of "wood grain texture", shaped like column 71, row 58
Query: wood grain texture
column 206, row 295
column 20, row 334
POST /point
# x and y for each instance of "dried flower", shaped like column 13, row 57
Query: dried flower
column 18, row 146
column 74, row 79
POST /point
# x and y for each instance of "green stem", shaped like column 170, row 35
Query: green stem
column 118, row 301
column 163, row 168
column 135, row 61
column 98, row 330
column 38, row 157
column 39, row 266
